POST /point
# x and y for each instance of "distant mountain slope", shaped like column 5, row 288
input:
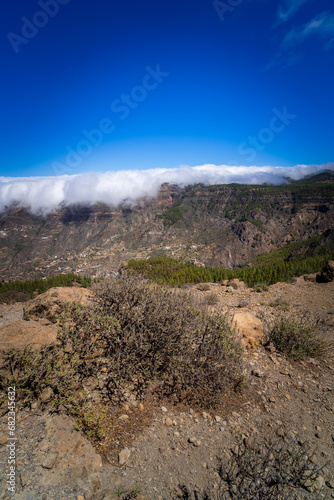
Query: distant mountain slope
column 326, row 176
column 223, row 225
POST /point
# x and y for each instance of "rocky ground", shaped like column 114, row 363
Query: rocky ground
column 157, row 448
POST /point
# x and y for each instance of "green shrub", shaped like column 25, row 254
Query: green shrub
column 42, row 285
column 65, row 366
column 261, row 287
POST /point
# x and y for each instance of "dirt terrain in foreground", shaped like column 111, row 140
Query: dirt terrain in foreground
column 164, row 447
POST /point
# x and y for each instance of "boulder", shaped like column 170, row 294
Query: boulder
column 18, row 334
column 124, row 456
column 248, row 328
column 312, row 278
column 46, row 395
column 327, row 275
column 50, row 304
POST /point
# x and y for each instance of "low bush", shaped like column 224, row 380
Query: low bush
column 203, row 287
column 299, row 337
column 167, row 342
column 12, row 296
column 281, row 304
column 65, row 367
column 266, row 472
column 261, row 287
column 137, row 337
column 212, row 299
column 269, row 471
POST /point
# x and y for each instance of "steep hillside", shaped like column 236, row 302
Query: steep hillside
column 223, row 225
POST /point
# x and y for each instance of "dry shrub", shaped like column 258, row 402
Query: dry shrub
column 300, row 336
column 166, row 342
column 273, row 470
column 212, row 299
column 137, row 337
column 203, row 287
column 268, row 471
column 281, row 304
column 12, row 296
column 66, row 367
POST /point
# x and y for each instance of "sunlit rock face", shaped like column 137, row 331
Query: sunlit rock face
column 219, row 225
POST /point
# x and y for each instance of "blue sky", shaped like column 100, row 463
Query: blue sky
column 103, row 86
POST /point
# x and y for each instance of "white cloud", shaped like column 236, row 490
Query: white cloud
column 288, row 8
column 322, row 26
column 45, row 194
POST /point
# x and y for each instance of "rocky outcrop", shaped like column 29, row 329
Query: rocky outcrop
column 19, row 334
column 311, row 278
column 49, row 305
column 248, row 328
column 38, row 327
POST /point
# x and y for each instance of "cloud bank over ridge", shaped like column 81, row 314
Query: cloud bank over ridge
column 46, row 194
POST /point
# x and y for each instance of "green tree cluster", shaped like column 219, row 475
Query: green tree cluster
column 267, row 268
column 42, row 285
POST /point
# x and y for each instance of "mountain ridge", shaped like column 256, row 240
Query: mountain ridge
column 219, row 225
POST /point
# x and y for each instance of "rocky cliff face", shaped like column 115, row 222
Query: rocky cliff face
column 210, row 225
